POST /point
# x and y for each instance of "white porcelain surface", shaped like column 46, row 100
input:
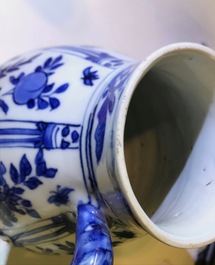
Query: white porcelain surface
column 135, row 28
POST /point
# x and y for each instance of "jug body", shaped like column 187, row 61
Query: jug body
column 48, row 99
column 94, row 137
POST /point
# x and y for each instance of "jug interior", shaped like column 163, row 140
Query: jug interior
column 169, row 143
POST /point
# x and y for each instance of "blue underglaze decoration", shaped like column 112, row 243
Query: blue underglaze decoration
column 44, row 250
column 95, row 56
column 93, row 243
column 60, row 196
column 41, row 168
column 89, row 76
column 61, row 226
column 4, row 71
column 15, row 66
column 34, row 89
column 88, row 153
column 11, row 196
column 41, row 135
column 58, row 248
column 68, row 247
column 23, row 177
column 3, row 106
column 109, row 98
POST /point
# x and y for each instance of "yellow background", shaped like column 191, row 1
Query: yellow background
column 146, row 251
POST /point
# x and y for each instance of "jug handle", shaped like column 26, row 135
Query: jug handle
column 93, row 242
column 4, row 251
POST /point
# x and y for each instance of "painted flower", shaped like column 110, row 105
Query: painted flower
column 34, row 89
column 89, row 76
column 60, row 196
column 28, row 87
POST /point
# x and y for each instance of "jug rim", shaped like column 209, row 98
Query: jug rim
column 143, row 219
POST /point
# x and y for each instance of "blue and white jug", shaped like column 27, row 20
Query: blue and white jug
column 97, row 149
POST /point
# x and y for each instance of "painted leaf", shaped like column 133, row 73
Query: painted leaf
column 48, row 88
column 42, row 103
column 62, row 88
column 26, row 203
column 100, row 130
column 56, row 66
column 14, row 175
column 111, row 104
column 33, row 182
column 20, row 211
column 33, row 213
column 54, row 103
column 2, row 182
column 50, row 173
column 99, row 137
column 25, row 168
column 57, row 60
column 39, row 157
column 70, row 244
column 38, row 69
column 4, row 106
column 41, row 168
column 50, row 73
column 18, row 190
column 14, row 197
column 47, row 63
column 2, row 169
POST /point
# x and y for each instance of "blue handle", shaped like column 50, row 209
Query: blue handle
column 93, row 243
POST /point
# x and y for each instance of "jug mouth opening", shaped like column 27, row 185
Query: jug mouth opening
column 165, row 161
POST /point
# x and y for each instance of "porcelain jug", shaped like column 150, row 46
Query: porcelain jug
column 97, row 149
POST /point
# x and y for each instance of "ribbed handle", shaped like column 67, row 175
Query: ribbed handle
column 93, row 243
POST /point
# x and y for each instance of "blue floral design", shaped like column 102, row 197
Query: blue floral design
column 61, row 196
column 109, row 98
column 41, row 167
column 34, row 89
column 89, row 76
column 16, row 66
column 11, row 200
column 4, row 71
column 95, row 56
